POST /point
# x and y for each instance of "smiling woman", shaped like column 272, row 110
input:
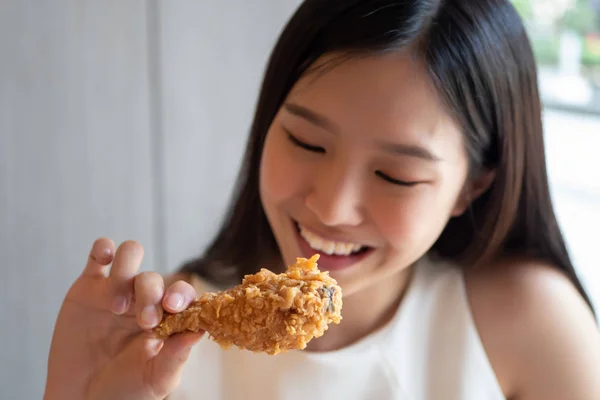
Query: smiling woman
column 364, row 156
column 390, row 136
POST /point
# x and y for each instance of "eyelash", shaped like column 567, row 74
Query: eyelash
column 305, row 146
column 316, row 149
column 395, row 181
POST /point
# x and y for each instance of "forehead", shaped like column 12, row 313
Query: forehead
column 380, row 96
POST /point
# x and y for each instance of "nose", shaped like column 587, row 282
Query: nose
column 335, row 198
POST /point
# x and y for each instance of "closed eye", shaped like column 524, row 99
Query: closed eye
column 303, row 145
column 395, row 181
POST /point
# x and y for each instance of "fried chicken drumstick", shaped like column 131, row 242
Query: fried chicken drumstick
column 267, row 312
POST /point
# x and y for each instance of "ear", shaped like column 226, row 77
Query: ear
column 472, row 190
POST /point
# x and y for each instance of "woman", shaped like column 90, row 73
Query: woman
column 402, row 141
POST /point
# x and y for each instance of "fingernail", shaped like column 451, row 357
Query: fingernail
column 119, row 305
column 175, row 301
column 149, row 316
column 107, row 252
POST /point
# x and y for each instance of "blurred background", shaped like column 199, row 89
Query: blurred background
column 128, row 119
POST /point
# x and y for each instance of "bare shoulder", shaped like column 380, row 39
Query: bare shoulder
column 538, row 332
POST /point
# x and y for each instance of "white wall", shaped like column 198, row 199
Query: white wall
column 211, row 66
column 74, row 161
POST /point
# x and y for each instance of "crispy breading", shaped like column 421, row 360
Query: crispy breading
column 267, row 312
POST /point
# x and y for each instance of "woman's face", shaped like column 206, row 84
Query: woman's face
column 362, row 165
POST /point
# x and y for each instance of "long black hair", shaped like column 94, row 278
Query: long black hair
column 480, row 60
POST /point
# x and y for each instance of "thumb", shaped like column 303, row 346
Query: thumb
column 166, row 367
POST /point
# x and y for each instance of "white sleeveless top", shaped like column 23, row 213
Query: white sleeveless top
column 430, row 350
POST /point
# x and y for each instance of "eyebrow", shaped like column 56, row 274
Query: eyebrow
column 311, row 116
column 409, row 150
column 394, row 148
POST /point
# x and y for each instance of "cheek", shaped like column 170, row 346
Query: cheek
column 413, row 220
column 280, row 176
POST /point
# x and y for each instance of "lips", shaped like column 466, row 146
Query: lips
column 335, row 255
column 329, row 247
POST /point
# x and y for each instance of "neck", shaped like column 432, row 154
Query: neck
column 364, row 312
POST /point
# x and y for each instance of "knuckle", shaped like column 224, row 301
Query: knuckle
column 148, row 286
column 181, row 357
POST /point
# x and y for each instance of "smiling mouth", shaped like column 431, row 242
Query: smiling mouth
column 330, row 247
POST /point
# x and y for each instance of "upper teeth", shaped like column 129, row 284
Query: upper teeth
column 328, row 246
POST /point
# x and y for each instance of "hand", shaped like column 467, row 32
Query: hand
column 101, row 347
